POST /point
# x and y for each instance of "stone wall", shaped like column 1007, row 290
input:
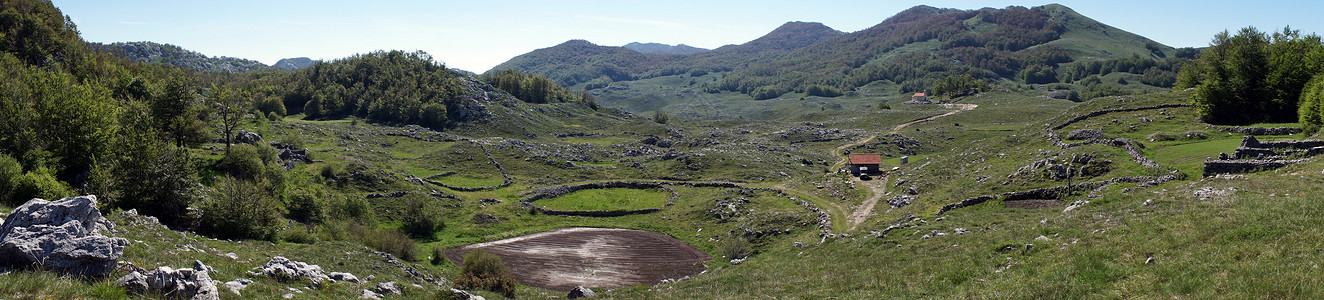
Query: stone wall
column 562, row 190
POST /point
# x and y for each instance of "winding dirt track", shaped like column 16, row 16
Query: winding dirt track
column 878, row 187
column 593, row 257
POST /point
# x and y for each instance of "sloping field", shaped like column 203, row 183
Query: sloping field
column 593, row 257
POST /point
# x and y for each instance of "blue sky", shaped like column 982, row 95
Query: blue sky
column 477, row 35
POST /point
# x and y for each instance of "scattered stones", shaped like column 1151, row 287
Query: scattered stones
column 284, row 269
column 484, row 218
column 581, row 292
column 738, row 261
column 185, row 283
column 900, row 200
column 62, row 236
column 961, row 231
column 1206, row 193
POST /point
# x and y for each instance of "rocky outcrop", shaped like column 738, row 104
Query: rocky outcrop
column 247, row 137
column 62, row 236
column 191, row 283
column 284, row 269
column 464, row 295
column 581, row 292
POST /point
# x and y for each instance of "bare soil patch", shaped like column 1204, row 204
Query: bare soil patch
column 593, row 257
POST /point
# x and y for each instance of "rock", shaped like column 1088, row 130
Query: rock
column 238, row 285
column 345, row 277
column 198, row 265
column 737, row 261
column 367, row 294
column 961, row 231
column 464, row 295
column 284, row 269
column 1148, row 202
column 900, row 201
column 62, row 236
column 581, row 292
column 247, row 137
column 182, row 283
column 388, row 288
column 288, row 296
column 1042, row 239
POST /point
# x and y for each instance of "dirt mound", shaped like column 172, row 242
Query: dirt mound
column 596, row 257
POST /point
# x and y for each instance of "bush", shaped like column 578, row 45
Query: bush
column 10, row 171
column 734, row 247
column 242, row 161
column 486, row 271
column 438, row 256
column 387, row 240
column 299, row 234
column 306, row 206
column 241, row 209
column 422, row 219
column 38, row 183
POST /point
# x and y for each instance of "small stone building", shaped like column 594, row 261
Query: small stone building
column 920, row 97
column 865, row 163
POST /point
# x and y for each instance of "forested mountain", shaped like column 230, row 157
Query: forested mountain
column 915, row 48
column 658, row 48
column 150, row 52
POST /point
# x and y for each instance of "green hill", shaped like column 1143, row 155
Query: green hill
column 914, row 48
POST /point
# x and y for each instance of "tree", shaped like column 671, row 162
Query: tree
column 230, row 106
column 1311, row 112
column 241, row 209
column 178, row 114
column 1252, row 76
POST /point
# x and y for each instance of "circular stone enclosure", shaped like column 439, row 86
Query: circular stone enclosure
column 593, row 257
column 608, row 199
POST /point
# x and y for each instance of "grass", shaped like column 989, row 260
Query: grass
column 608, row 199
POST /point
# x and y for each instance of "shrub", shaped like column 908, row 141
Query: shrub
column 271, row 116
column 242, row 161
column 438, row 256
column 299, row 234
column 387, row 240
column 422, row 219
column 734, row 247
column 486, row 271
column 306, row 206
column 10, row 171
column 38, row 183
column 241, row 209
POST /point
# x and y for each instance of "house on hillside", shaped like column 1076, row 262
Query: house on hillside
column 919, row 98
column 865, row 163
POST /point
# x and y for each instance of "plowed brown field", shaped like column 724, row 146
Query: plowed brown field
column 593, row 257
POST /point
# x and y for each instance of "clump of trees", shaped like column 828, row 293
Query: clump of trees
column 394, row 87
column 1252, row 76
column 959, row 86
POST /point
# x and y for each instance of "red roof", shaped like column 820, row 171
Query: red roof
column 919, row 95
column 866, row 159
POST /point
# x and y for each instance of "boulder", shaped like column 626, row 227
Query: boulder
column 581, row 292
column 388, row 288
column 62, row 236
column 238, row 285
column 188, row 283
column 368, row 294
column 284, row 269
column 247, row 137
column 345, row 277
column 464, row 295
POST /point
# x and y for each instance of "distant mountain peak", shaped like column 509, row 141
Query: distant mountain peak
column 294, row 63
column 658, row 48
column 793, row 35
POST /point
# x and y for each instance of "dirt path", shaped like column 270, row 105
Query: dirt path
column 878, row 186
